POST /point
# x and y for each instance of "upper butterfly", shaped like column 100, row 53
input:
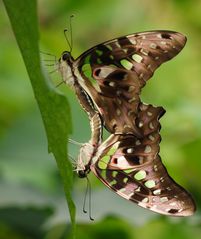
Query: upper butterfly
column 110, row 76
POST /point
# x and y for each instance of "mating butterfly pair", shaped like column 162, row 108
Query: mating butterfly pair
column 107, row 80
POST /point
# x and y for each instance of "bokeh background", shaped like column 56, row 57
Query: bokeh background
column 32, row 201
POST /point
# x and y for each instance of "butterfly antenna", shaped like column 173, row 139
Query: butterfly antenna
column 74, row 142
column 71, row 33
column 71, row 158
column 60, row 83
column 49, row 54
column 90, row 217
column 70, row 43
column 65, row 34
column 51, row 72
column 85, row 197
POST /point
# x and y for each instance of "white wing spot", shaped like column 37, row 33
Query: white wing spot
column 108, row 46
column 138, row 189
column 137, row 58
column 141, row 75
column 163, row 199
column 118, row 112
column 151, row 125
column 149, row 113
column 130, row 112
column 127, row 126
column 130, row 150
column 141, row 161
column 144, row 52
column 113, row 122
column 137, row 142
column 157, row 192
column 145, row 200
column 143, row 107
column 149, row 66
column 162, row 179
column 112, row 83
column 131, row 100
column 147, row 149
column 104, row 71
column 151, row 137
column 140, row 124
column 130, row 195
column 121, row 160
column 153, row 45
column 117, row 44
column 163, row 43
column 155, row 168
column 131, row 88
column 133, row 41
column 159, row 35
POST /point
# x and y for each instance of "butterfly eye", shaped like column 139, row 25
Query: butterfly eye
column 82, row 174
column 65, row 55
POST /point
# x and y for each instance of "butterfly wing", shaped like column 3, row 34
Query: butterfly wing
column 132, row 168
column 114, row 73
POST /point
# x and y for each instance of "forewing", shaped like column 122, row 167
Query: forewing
column 114, row 73
column 133, row 169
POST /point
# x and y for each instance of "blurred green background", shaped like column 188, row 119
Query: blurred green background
column 32, row 202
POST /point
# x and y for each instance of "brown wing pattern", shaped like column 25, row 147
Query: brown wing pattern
column 132, row 168
column 119, row 68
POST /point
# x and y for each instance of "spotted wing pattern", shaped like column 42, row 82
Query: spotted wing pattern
column 132, row 168
column 114, row 72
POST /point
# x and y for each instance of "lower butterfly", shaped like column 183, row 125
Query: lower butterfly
column 132, row 168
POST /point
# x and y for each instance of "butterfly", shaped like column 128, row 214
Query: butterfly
column 107, row 80
column 132, row 168
column 112, row 74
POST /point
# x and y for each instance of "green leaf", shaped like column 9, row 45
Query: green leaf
column 26, row 221
column 53, row 105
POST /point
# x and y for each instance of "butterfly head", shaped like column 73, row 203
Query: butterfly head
column 67, row 57
column 65, row 67
column 82, row 173
column 84, row 159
